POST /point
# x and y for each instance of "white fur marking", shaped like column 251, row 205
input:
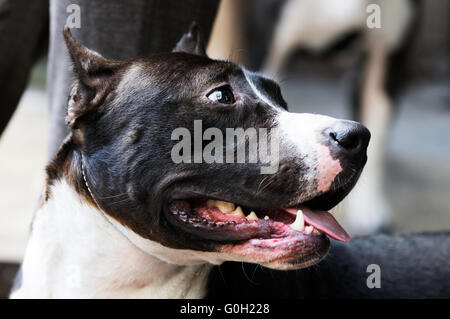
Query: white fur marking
column 75, row 252
column 259, row 93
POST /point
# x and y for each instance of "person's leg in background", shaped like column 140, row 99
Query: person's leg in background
column 118, row 30
column 23, row 39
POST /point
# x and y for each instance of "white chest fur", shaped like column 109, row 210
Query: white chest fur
column 75, row 252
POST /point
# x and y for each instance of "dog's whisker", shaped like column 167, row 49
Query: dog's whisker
column 260, row 183
column 254, row 270
column 245, row 274
column 221, row 274
column 112, row 196
column 119, row 201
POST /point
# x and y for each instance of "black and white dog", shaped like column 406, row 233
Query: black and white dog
column 120, row 219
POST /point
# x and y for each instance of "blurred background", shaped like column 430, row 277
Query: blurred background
column 417, row 167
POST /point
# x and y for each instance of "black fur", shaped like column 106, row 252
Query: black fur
column 123, row 132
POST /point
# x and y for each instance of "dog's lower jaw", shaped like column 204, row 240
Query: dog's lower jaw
column 74, row 251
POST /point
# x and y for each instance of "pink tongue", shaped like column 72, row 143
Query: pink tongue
column 324, row 222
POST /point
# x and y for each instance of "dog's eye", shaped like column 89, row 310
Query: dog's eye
column 222, row 95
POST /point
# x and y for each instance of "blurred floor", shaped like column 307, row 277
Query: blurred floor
column 418, row 172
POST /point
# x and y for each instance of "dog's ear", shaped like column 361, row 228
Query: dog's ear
column 191, row 42
column 94, row 76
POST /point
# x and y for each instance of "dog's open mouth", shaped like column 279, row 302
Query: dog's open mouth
column 225, row 221
column 282, row 238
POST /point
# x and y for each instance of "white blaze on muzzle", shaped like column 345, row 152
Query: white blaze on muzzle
column 302, row 134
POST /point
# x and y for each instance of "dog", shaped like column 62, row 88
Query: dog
column 336, row 34
column 121, row 219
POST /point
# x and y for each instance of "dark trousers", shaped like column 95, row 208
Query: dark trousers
column 117, row 29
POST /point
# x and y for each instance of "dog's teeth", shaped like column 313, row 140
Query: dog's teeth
column 252, row 216
column 308, row 230
column 316, row 232
column 224, row 207
column 237, row 212
column 266, row 217
column 299, row 222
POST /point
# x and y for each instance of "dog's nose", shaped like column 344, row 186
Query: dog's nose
column 349, row 139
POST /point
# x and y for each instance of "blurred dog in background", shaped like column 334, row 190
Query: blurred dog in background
column 264, row 34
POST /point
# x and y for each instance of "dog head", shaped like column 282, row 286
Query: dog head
column 127, row 119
